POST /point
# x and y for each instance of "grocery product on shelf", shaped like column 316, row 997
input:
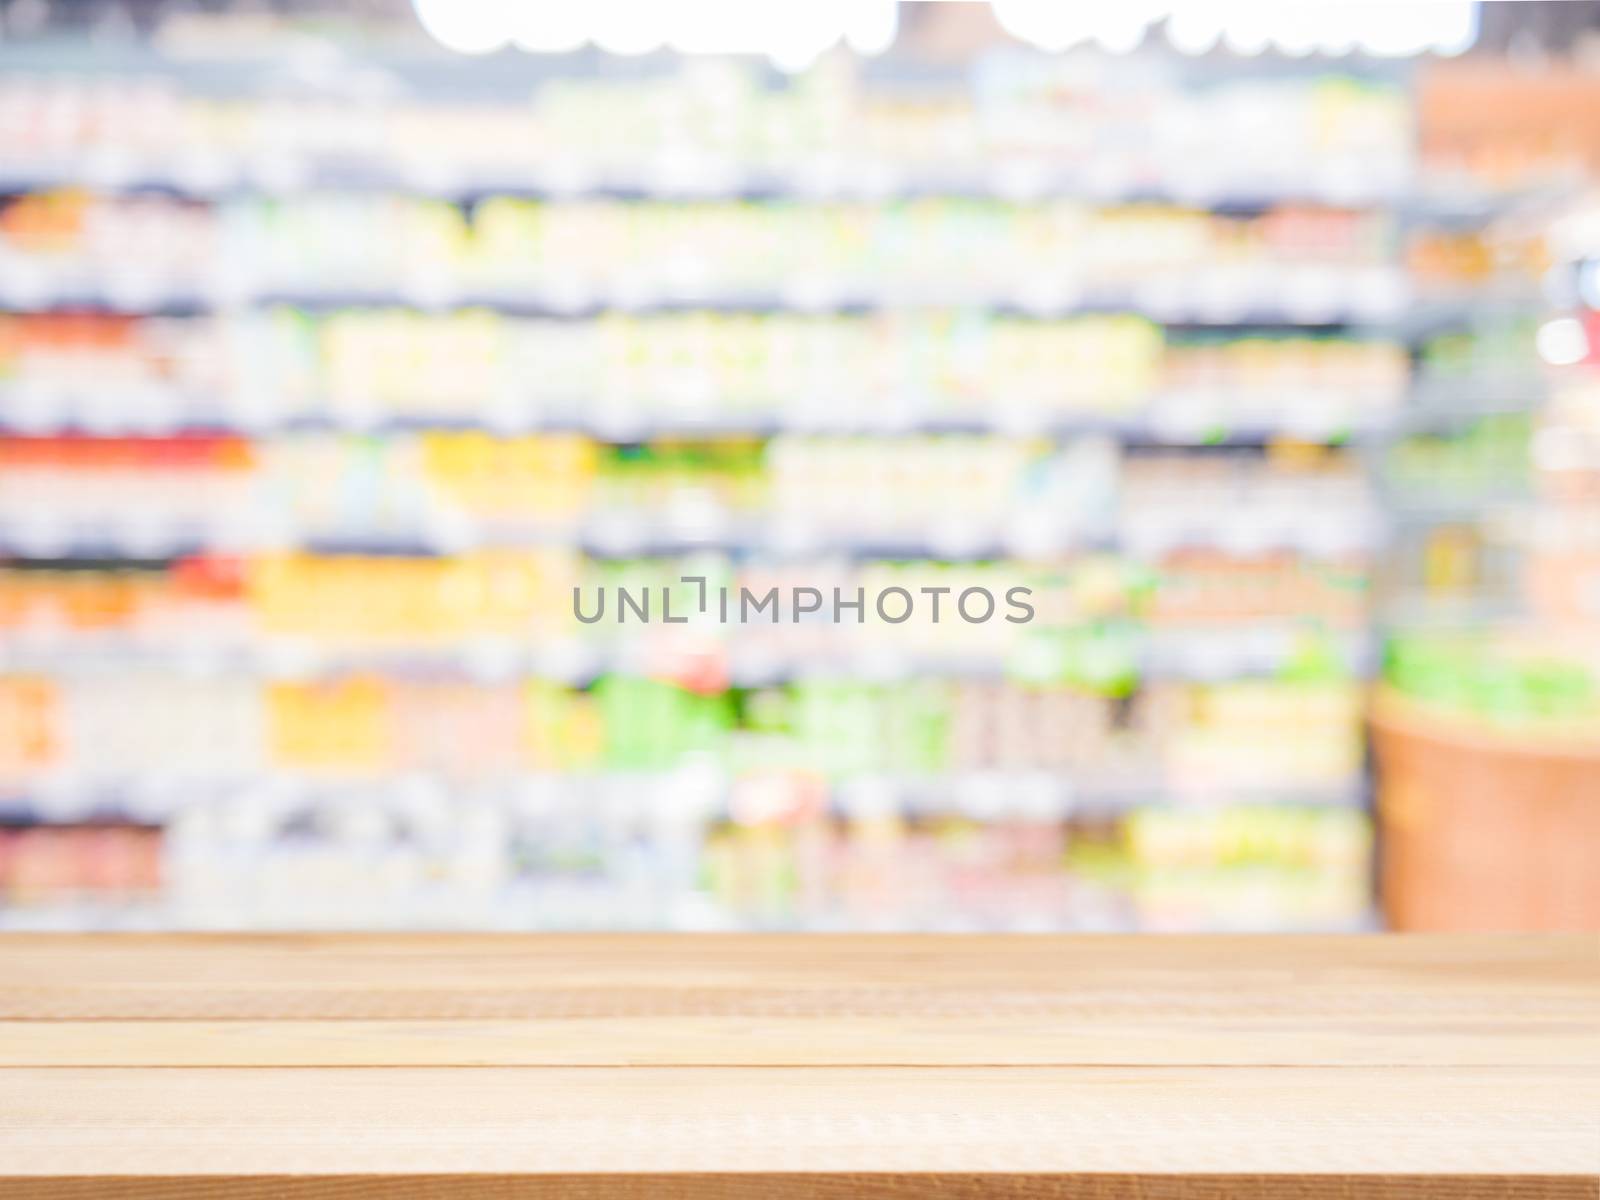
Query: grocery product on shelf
column 54, row 864
column 486, row 613
column 1500, row 124
column 1512, row 496
column 626, row 375
column 500, row 798
column 1486, row 456
column 126, row 494
column 1284, row 265
column 934, row 495
column 1163, row 736
column 1521, row 681
column 1023, row 123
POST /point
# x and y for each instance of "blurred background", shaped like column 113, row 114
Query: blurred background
column 340, row 342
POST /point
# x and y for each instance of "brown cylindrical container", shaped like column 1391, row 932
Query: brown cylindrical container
column 1482, row 829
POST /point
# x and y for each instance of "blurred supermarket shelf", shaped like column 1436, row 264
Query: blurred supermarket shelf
column 1193, row 416
column 740, row 656
column 1442, row 400
column 698, row 795
column 1009, row 124
column 411, row 860
column 1489, row 504
column 1247, row 534
column 1326, row 299
column 354, row 117
column 1223, row 188
column 1186, row 418
column 1227, row 186
column 599, row 912
column 453, row 337
column 1178, row 420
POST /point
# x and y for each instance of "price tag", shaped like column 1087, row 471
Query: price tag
column 430, row 289
column 149, row 409
column 568, row 177
column 39, row 536
column 615, row 532
column 568, row 660
column 1244, row 533
column 108, row 167
column 569, row 296
column 956, row 537
column 490, row 660
column 1222, row 296
column 1021, row 181
column 1185, row 419
column 822, row 178
column 1314, row 417
column 23, row 284
column 1043, row 296
column 811, row 293
column 434, row 175
column 202, row 173
column 618, row 418
column 34, row 407
column 1311, row 293
column 280, row 173
column 1109, row 177
column 100, row 412
column 1379, row 293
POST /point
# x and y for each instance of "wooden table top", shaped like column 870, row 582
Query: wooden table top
column 730, row 1065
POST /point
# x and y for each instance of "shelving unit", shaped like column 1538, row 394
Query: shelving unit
column 355, row 393
column 1487, row 729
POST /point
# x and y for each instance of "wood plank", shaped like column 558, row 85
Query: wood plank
column 402, row 977
column 1460, row 1121
column 430, row 1001
column 333, row 1066
column 180, row 962
column 1162, row 1039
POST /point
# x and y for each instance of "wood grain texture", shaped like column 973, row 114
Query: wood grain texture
column 734, row 1000
column 1082, row 1038
column 326, row 1066
column 1160, row 1120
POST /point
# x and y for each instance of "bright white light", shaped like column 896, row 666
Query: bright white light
column 1303, row 28
column 1559, row 449
column 1051, row 26
column 1298, row 27
column 548, row 26
column 1562, row 342
column 465, row 26
column 713, row 26
column 1417, row 26
column 1397, row 30
column 1194, row 29
column 1248, row 28
column 792, row 34
column 1458, row 34
column 1056, row 25
column 872, row 26
column 1589, row 283
column 1298, row 37
column 628, row 27
column 1121, row 27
